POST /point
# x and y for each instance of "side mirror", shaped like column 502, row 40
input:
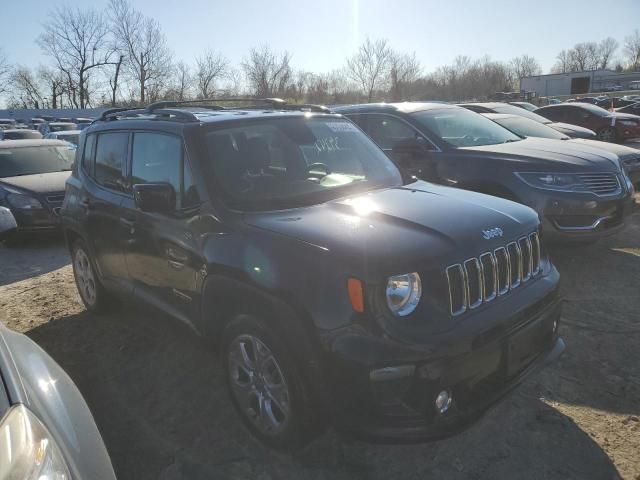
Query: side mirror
column 411, row 146
column 155, row 197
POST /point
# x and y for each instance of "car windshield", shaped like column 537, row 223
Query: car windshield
column 60, row 127
column 528, row 128
column 521, row 112
column 288, row 162
column 459, row 127
column 33, row 160
column 71, row 137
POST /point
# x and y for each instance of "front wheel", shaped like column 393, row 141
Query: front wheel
column 607, row 134
column 266, row 387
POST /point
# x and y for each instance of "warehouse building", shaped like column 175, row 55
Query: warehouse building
column 591, row 81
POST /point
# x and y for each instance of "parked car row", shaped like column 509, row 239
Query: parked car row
column 394, row 253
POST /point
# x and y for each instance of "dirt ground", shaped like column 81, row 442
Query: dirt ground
column 158, row 396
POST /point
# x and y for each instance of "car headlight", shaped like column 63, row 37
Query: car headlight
column 566, row 182
column 403, row 293
column 27, row 449
column 23, row 202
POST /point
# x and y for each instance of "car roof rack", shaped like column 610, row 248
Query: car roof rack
column 168, row 107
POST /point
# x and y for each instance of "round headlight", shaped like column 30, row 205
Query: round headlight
column 403, row 293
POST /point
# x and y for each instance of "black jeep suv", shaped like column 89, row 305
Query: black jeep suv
column 334, row 286
column 581, row 194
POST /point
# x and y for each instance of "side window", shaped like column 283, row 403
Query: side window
column 360, row 120
column 159, row 158
column 111, row 152
column 88, row 154
column 156, row 158
column 556, row 114
column 386, row 130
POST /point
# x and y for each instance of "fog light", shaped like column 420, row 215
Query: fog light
column 555, row 326
column 443, row 401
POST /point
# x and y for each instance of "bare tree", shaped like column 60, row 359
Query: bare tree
column 581, row 57
column 369, row 66
column 147, row 56
column 267, row 72
column 210, row 67
column 25, row 89
column 53, row 81
column 606, row 49
column 563, row 62
column 113, row 81
column 183, row 81
column 525, row 66
column 632, row 50
column 78, row 42
column 5, row 70
column 404, row 69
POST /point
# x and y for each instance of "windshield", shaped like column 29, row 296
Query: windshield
column 53, row 127
column 33, row 160
column 459, row 127
column 282, row 163
column 521, row 112
column 528, row 128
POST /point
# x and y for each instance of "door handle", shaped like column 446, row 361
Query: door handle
column 130, row 224
column 86, row 204
column 176, row 259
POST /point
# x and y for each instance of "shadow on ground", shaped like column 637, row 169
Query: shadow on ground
column 31, row 258
column 158, row 396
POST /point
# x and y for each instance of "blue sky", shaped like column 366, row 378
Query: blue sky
column 321, row 33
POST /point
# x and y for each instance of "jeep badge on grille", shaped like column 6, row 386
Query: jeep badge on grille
column 492, row 233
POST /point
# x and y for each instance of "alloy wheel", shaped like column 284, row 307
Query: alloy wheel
column 85, row 278
column 258, row 385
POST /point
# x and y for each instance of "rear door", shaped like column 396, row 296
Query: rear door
column 161, row 249
column 103, row 165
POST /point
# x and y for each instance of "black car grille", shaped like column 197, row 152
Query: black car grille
column 601, row 183
column 479, row 280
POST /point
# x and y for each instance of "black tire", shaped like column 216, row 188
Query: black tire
column 299, row 427
column 100, row 300
column 607, row 134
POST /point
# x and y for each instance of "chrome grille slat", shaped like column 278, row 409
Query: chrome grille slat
column 481, row 279
column 601, row 183
column 473, row 282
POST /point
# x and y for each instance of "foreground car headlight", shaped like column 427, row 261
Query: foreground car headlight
column 23, row 202
column 566, row 182
column 27, row 450
column 403, row 293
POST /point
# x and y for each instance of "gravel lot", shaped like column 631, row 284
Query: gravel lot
column 158, row 396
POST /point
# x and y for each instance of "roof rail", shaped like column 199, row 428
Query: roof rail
column 111, row 111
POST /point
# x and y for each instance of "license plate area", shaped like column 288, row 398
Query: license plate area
column 523, row 347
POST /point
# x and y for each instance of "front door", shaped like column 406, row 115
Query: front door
column 161, row 249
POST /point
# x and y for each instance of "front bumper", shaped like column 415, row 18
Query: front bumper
column 575, row 216
column 397, row 405
column 33, row 221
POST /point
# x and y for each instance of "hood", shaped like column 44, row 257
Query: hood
column 625, row 116
column 621, row 151
column 39, row 183
column 572, row 130
column 558, row 155
column 395, row 227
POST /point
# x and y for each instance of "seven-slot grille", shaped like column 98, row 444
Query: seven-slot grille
column 601, row 183
column 479, row 280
